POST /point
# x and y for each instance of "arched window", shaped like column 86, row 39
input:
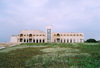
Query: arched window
column 21, row 35
column 33, row 40
column 58, row 40
column 30, row 40
column 70, row 40
column 67, row 34
column 34, row 35
column 24, row 40
column 54, row 34
column 61, row 40
column 27, row 41
column 74, row 40
column 70, row 34
column 21, row 40
column 74, row 35
column 64, row 40
column 67, row 40
column 43, row 41
column 30, row 35
column 58, row 34
column 55, row 40
column 40, row 40
column 37, row 41
column 81, row 35
column 64, row 34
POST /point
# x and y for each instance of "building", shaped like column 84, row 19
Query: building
column 37, row 36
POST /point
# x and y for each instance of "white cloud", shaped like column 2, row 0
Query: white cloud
column 35, row 3
column 63, row 14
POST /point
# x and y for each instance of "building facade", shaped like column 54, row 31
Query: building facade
column 37, row 36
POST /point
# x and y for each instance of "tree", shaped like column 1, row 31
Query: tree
column 91, row 40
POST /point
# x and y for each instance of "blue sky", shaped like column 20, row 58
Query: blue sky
column 64, row 15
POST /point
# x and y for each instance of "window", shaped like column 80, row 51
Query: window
column 33, row 35
column 37, row 41
column 43, row 41
column 24, row 40
column 70, row 40
column 33, row 40
column 67, row 40
column 21, row 40
column 64, row 40
column 58, row 34
column 70, row 34
column 40, row 40
column 30, row 35
column 74, row 35
column 30, row 40
column 54, row 34
column 81, row 35
column 21, row 35
column 64, row 34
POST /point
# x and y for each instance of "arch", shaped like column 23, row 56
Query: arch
column 80, row 40
column 70, row 34
column 30, row 35
column 27, row 41
column 55, row 40
column 30, row 40
column 74, row 35
column 58, row 40
column 67, row 34
column 21, row 40
column 40, row 40
column 64, row 34
column 58, row 34
column 33, row 40
column 61, row 40
column 43, row 41
column 67, row 40
column 70, row 40
column 64, row 40
column 37, row 41
column 24, row 40
column 21, row 35
column 81, row 35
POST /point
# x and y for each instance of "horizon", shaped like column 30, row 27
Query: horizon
column 65, row 16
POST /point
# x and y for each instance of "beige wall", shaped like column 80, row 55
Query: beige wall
column 56, row 38
column 13, row 39
column 37, row 36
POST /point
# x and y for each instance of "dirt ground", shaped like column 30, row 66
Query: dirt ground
column 7, row 44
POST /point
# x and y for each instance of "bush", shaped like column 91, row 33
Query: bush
column 91, row 41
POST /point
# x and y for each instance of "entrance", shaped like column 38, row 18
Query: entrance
column 58, row 40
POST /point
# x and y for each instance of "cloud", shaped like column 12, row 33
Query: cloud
column 64, row 15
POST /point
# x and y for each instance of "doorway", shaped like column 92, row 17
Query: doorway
column 58, row 40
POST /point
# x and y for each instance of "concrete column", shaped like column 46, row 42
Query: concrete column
column 38, row 40
column 69, row 40
column 35, row 40
column 83, row 41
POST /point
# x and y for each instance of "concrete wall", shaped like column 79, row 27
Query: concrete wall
column 28, row 36
column 13, row 39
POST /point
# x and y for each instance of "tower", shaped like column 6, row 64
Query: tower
column 49, row 34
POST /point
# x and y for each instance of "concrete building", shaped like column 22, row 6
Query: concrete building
column 37, row 36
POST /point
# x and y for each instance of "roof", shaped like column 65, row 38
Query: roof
column 31, row 31
column 67, row 33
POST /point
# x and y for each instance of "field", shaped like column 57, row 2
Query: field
column 54, row 55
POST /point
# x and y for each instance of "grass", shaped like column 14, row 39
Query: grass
column 51, row 55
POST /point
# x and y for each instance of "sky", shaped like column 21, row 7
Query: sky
column 64, row 15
